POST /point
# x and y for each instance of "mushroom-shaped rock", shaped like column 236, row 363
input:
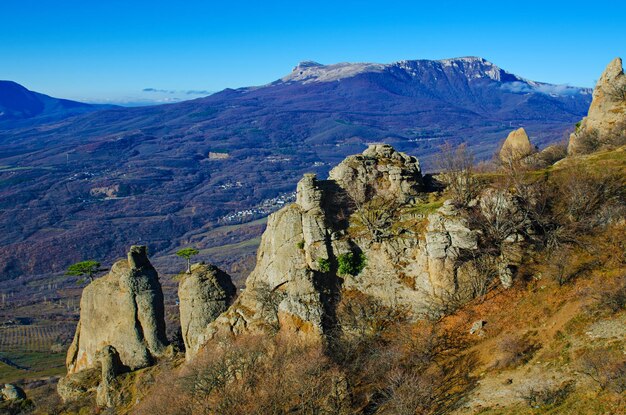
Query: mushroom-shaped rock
column 607, row 114
column 124, row 309
column 204, row 294
column 516, row 146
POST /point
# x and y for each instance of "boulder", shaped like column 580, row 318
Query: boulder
column 379, row 171
column 605, row 121
column 516, row 146
column 477, row 327
column 204, row 294
column 12, row 392
column 124, row 309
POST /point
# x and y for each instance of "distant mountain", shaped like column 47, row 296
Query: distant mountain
column 18, row 103
column 89, row 186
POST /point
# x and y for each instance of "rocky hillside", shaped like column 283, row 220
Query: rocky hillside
column 374, row 262
column 174, row 173
column 383, row 290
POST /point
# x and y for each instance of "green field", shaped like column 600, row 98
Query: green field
column 29, row 353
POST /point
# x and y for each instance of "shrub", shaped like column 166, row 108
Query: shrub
column 537, row 397
column 300, row 245
column 516, row 350
column 323, row 264
column 606, row 367
column 351, row 263
column 612, row 296
column 456, row 173
column 587, row 141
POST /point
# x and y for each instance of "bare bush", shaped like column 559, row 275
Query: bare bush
column 550, row 155
column 253, row 376
column 456, row 166
column 516, row 350
column 612, row 295
column 606, row 367
column 587, row 141
column 364, row 315
column 547, row 395
column 411, row 391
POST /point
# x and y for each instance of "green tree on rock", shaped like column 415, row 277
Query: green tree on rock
column 187, row 253
column 84, row 269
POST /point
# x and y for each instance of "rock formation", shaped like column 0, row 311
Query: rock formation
column 606, row 119
column 516, row 146
column 110, row 365
column 124, row 309
column 12, row 392
column 204, row 294
column 364, row 211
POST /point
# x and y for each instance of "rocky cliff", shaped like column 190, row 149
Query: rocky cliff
column 370, row 232
column 605, row 122
column 123, row 309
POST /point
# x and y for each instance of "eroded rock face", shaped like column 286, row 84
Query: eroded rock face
column 380, row 171
column 297, row 285
column 516, row 146
column 204, row 294
column 607, row 113
column 124, row 309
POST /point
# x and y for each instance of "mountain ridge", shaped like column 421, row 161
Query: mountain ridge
column 113, row 174
column 20, row 106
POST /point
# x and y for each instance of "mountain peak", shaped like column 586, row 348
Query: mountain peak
column 307, row 64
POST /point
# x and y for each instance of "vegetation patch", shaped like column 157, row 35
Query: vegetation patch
column 351, row 263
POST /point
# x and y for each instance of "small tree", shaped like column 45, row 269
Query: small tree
column 187, row 253
column 84, row 269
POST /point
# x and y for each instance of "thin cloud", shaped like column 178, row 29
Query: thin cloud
column 181, row 92
column 560, row 90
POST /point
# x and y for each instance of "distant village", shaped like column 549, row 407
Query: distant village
column 264, row 208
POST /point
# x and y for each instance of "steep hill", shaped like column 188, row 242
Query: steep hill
column 20, row 107
column 170, row 174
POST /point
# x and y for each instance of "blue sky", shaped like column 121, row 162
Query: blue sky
column 113, row 50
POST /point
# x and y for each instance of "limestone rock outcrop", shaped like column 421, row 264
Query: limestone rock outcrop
column 204, row 294
column 12, row 392
column 296, row 284
column 516, row 146
column 124, row 309
column 380, row 171
column 606, row 120
column 110, row 365
column 370, row 210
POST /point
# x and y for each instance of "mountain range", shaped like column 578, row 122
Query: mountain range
column 76, row 186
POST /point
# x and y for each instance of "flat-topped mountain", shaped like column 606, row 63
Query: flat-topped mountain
column 111, row 176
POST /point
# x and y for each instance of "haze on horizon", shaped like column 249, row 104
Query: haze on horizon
column 158, row 51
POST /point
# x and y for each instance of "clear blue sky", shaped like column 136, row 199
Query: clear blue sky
column 112, row 50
